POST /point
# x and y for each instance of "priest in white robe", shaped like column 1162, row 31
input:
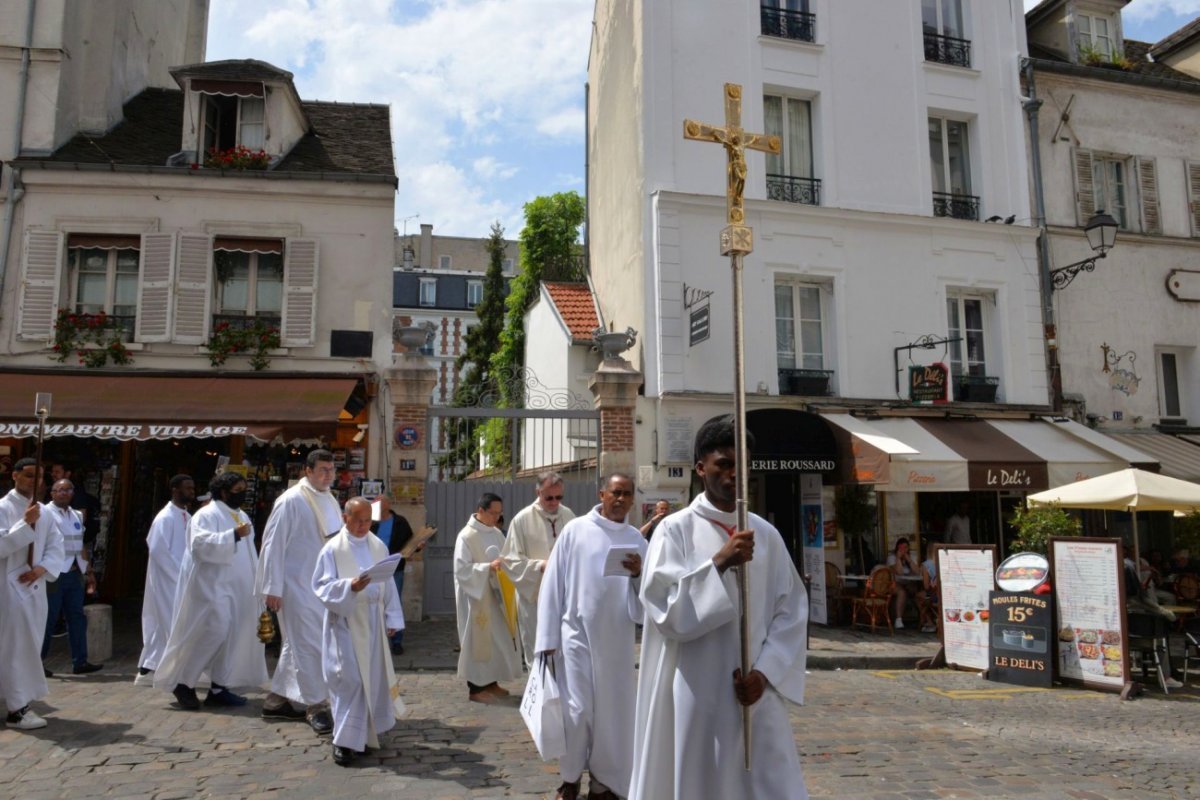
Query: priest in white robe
column 300, row 523
column 688, row 738
column 215, row 630
column 31, row 551
column 167, row 542
column 360, row 616
column 487, row 650
column 587, row 622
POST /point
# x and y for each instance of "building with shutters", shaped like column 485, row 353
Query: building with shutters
column 166, row 211
column 1117, row 132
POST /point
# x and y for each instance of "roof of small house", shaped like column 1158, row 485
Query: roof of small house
column 576, row 305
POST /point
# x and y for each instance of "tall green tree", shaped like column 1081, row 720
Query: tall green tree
column 479, row 384
column 550, row 250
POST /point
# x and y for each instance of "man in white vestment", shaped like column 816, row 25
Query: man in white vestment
column 487, row 653
column 587, row 622
column 688, row 741
column 531, row 537
column 215, row 630
column 31, row 550
column 302, row 519
column 360, row 615
column 167, row 542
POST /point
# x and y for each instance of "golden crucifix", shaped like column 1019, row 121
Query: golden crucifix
column 737, row 237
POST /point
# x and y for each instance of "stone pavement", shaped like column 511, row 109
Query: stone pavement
column 886, row 735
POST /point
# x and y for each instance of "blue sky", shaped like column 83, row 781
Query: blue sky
column 486, row 95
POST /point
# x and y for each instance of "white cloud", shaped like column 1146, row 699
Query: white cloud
column 1148, row 9
column 488, row 167
column 567, row 123
column 447, row 198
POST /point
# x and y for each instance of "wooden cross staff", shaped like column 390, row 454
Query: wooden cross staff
column 737, row 239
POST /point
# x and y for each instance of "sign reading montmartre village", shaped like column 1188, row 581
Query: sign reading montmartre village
column 123, row 430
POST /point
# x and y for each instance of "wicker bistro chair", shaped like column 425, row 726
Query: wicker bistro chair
column 929, row 603
column 1187, row 588
column 837, row 601
column 875, row 604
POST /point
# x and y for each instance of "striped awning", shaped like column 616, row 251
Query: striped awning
column 1179, row 458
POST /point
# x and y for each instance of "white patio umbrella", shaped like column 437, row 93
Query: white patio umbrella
column 1129, row 490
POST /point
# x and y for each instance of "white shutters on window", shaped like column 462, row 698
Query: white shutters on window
column 1193, row 185
column 41, row 271
column 299, row 292
column 1147, row 177
column 155, row 275
column 1085, row 193
column 193, row 288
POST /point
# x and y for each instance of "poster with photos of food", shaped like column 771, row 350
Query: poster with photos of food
column 1089, row 624
column 966, row 574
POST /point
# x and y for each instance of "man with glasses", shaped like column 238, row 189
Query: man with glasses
column 531, row 537
column 487, row 652
column 301, row 520
column 75, row 578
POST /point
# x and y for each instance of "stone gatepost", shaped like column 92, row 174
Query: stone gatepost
column 410, row 382
column 615, row 388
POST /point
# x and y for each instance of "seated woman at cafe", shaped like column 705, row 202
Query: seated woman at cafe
column 905, row 569
column 929, row 583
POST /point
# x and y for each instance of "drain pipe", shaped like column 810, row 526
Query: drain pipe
column 15, row 190
column 1032, row 104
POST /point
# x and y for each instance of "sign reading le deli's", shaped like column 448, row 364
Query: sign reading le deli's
column 111, row 430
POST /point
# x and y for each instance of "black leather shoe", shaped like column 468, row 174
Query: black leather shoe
column 86, row 667
column 224, row 698
column 343, row 756
column 49, row 674
column 322, row 723
column 285, row 711
column 186, row 696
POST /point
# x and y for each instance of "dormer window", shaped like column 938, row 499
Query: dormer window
column 231, row 121
column 1094, row 36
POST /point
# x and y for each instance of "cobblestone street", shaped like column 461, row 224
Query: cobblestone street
column 863, row 734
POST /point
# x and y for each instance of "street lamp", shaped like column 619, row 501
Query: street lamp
column 1101, row 232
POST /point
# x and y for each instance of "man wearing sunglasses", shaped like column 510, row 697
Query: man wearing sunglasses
column 531, row 537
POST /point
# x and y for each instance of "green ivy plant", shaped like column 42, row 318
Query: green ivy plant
column 1036, row 524
column 94, row 339
column 256, row 341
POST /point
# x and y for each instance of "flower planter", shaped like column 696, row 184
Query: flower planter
column 977, row 389
column 805, row 382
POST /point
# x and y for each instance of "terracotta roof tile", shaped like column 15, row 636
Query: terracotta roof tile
column 576, row 306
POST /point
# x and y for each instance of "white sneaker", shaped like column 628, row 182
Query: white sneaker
column 144, row 680
column 25, row 720
column 899, row 624
column 1173, row 684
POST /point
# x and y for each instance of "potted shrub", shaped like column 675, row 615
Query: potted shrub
column 1035, row 525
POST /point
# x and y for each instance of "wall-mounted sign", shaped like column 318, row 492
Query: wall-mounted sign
column 408, row 464
column 407, row 436
column 1184, row 284
column 698, row 320
column 929, row 383
column 792, row 465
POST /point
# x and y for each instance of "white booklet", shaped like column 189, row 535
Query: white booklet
column 616, row 554
column 384, row 568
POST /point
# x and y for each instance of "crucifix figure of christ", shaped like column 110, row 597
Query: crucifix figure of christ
column 737, row 237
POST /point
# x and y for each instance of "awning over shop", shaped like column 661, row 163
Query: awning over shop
column 934, row 454
column 1179, row 459
column 141, row 407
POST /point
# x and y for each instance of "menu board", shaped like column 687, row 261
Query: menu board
column 966, row 575
column 1022, row 628
column 1090, row 628
column 813, row 529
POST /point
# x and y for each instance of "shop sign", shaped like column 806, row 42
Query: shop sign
column 929, row 384
column 407, row 436
column 122, row 431
column 999, row 477
column 1021, row 641
column 793, row 465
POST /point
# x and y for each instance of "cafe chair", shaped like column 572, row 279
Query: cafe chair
column 1191, row 644
column 875, row 604
column 1187, row 588
column 928, row 605
column 1148, row 639
column 837, row 601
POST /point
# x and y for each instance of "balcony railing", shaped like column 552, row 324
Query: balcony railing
column 244, row 322
column 805, row 382
column 947, row 50
column 126, row 324
column 794, row 190
column 976, row 388
column 784, row 24
column 959, row 206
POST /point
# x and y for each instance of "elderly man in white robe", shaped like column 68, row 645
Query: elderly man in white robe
column 531, row 537
column 31, row 550
column 215, row 630
column 360, row 616
column 688, row 738
column 587, row 622
column 301, row 521
column 487, row 651
column 167, row 542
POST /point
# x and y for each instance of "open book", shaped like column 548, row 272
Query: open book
column 419, row 538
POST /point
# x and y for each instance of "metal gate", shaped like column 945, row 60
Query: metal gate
column 478, row 449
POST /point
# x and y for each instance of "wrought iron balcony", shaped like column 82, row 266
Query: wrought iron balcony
column 244, row 321
column 976, row 388
column 947, row 50
column 959, row 206
column 785, row 24
column 805, row 382
column 794, row 190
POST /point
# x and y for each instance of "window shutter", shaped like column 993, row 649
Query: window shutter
column 1148, row 194
column 193, row 288
column 1085, row 193
column 299, row 293
column 41, row 271
column 1193, row 184
column 154, row 288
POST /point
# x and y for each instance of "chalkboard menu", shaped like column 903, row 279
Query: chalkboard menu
column 1021, row 640
column 1090, row 625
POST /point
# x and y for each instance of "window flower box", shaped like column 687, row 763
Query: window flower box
column 805, row 382
column 976, row 388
